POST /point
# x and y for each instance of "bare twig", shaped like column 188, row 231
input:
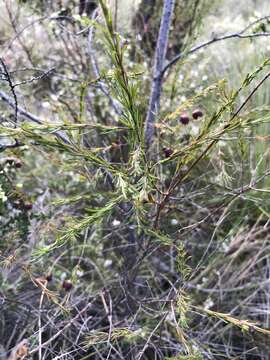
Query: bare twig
column 196, row 48
column 14, row 25
column 160, row 55
column 55, row 336
column 35, row 78
column 10, row 146
column 40, row 322
column 7, row 99
column 140, row 354
column 11, row 86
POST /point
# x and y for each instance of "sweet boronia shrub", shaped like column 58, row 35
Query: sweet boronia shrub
column 116, row 257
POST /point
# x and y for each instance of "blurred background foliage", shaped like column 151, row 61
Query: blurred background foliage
column 78, row 296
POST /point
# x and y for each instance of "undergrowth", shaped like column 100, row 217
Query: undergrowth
column 113, row 251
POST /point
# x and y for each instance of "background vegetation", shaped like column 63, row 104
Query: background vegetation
column 113, row 246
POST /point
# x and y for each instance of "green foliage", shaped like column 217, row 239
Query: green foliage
column 133, row 239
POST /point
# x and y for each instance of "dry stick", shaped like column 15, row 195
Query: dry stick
column 10, row 146
column 34, row 22
column 5, row 48
column 11, row 86
column 160, row 56
column 55, row 336
column 28, row 115
column 13, row 23
column 266, row 17
column 177, row 179
column 239, row 35
column 141, row 353
column 35, row 78
column 21, row 111
column 40, row 322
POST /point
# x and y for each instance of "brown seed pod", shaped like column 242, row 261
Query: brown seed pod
column 12, row 161
column 18, row 164
column 18, row 204
column 67, row 285
column 184, row 118
column 197, row 114
column 118, row 142
column 49, row 277
column 28, row 206
column 167, row 152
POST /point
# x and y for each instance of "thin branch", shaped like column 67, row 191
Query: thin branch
column 10, row 146
column 35, row 78
column 160, row 55
column 21, row 111
column 210, row 42
column 11, row 86
column 178, row 178
column 44, row 73
column 7, row 99
column 267, row 17
column 55, row 336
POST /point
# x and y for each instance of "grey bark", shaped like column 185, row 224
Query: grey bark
column 160, row 55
